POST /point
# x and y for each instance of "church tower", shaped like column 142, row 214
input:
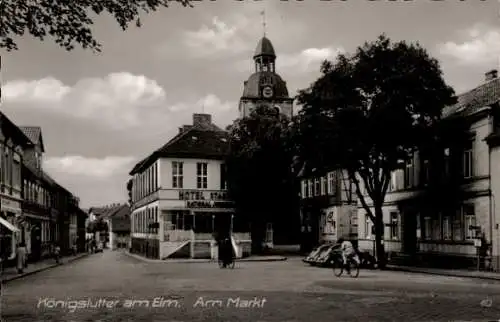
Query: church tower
column 264, row 86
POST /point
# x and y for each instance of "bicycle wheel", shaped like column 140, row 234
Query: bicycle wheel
column 338, row 268
column 353, row 269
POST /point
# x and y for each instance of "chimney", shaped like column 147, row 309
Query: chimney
column 180, row 129
column 202, row 120
column 492, row 74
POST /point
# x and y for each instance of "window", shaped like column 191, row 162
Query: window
column 16, row 173
column 324, row 186
column 317, row 187
column 446, row 228
column 177, row 174
column 409, row 174
column 223, row 176
column 424, row 172
column 427, row 228
column 2, row 164
column 202, row 175
column 467, row 161
column 457, row 226
column 156, row 176
column 7, row 168
column 394, row 226
column 309, row 188
column 446, row 160
column 368, row 227
column 331, row 182
column 436, row 227
column 470, row 221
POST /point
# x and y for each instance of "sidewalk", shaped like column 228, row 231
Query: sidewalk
column 10, row 273
column 200, row 260
column 492, row 276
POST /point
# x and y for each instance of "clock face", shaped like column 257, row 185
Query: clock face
column 267, row 92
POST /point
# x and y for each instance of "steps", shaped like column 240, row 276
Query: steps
column 175, row 249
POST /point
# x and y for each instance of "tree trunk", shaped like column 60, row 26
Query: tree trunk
column 379, row 236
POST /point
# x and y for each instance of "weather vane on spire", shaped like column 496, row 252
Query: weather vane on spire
column 263, row 13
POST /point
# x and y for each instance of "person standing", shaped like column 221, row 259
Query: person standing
column 57, row 253
column 21, row 257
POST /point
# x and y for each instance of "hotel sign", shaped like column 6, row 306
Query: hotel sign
column 208, row 204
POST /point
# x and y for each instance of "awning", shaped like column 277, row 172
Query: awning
column 8, row 225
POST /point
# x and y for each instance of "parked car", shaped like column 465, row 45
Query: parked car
column 321, row 256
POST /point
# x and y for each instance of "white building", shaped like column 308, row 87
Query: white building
column 179, row 196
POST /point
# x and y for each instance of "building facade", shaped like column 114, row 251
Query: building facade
column 445, row 211
column 179, row 196
column 265, row 86
column 13, row 142
column 37, row 207
column 119, row 222
column 328, row 207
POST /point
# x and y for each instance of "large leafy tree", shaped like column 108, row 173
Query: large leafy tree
column 260, row 179
column 69, row 22
column 368, row 112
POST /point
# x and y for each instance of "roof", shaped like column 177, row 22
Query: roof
column 264, row 48
column 16, row 132
column 120, row 218
column 202, row 140
column 108, row 211
column 253, row 86
column 474, row 100
column 49, row 179
column 34, row 133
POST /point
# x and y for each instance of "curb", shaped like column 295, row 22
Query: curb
column 411, row 270
column 194, row 260
column 19, row 276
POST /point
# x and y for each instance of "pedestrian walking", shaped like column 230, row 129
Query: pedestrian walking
column 57, row 253
column 21, row 257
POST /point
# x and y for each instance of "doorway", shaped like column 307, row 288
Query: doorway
column 409, row 231
column 36, row 242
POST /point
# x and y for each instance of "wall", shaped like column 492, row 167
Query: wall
column 495, row 204
column 189, row 173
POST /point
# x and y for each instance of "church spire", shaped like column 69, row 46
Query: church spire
column 263, row 14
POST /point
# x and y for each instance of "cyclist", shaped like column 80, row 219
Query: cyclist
column 347, row 250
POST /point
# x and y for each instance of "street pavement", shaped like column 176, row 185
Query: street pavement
column 113, row 286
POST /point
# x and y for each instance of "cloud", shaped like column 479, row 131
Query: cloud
column 120, row 101
column 99, row 168
column 231, row 35
column 308, row 59
column 118, row 98
column 46, row 90
column 480, row 45
column 303, row 61
column 218, row 36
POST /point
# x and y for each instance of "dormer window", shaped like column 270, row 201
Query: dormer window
column 38, row 160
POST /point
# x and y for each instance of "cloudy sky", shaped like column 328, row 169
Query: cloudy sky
column 101, row 113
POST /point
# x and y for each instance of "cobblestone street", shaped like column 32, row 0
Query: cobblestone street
column 281, row 291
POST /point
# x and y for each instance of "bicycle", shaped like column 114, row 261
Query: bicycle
column 351, row 266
